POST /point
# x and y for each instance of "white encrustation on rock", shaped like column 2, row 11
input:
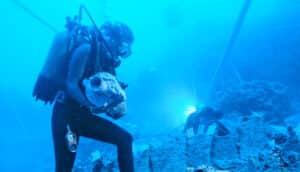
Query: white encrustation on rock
column 103, row 89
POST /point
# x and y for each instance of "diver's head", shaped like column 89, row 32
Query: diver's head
column 119, row 38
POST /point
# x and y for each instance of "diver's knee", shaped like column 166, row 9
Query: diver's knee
column 127, row 138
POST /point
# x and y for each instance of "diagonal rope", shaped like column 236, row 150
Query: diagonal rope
column 34, row 15
column 232, row 41
column 52, row 28
column 42, row 21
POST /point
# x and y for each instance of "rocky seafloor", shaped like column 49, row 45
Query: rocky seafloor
column 259, row 133
column 248, row 145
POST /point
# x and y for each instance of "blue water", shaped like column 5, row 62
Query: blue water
column 179, row 46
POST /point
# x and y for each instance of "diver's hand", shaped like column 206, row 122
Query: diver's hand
column 109, row 106
column 114, row 101
column 123, row 85
column 114, row 116
column 118, row 111
column 97, row 110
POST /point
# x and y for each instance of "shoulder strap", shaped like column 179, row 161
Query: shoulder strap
column 96, row 57
column 94, row 53
column 103, row 63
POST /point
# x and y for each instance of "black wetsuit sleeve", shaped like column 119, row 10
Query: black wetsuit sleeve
column 76, row 71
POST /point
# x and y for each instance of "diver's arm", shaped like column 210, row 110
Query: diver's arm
column 76, row 70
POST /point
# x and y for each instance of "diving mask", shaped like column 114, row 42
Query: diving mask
column 124, row 50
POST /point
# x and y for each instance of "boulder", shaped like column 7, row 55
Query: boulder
column 197, row 150
column 224, row 151
column 252, row 137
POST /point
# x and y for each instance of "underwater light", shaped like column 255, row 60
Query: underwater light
column 193, row 108
column 189, row 110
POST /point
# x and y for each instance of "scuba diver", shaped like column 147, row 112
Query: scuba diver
column 77, row 54
column 206, row 116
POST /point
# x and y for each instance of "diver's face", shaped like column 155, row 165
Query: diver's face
column 120, row 53
column 124, row 50
column 119, row 49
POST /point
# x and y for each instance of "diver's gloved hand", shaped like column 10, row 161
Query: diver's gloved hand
column 114, row 116
column 97, row 110
column 115, row 101
column 117, row 111
column 123, row 85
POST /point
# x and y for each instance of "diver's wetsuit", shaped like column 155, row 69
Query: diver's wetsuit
column 83, row 123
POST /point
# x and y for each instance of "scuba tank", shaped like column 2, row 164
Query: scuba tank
column 71, row 140
column 53, row 75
